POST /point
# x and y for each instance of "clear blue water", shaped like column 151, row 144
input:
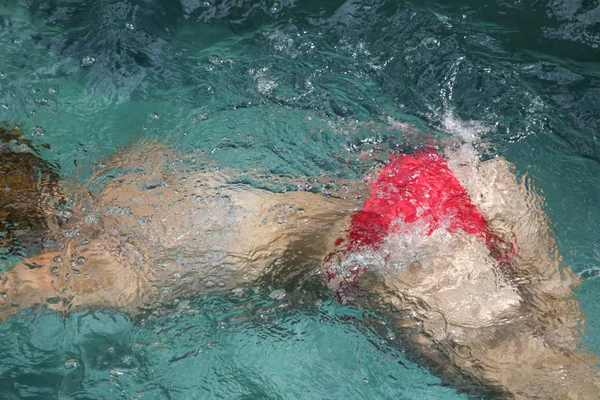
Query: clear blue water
column 296, row 88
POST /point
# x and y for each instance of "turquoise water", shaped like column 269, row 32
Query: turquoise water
column 302, row 89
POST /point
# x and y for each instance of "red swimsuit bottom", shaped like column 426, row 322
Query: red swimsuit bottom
column 416, row 188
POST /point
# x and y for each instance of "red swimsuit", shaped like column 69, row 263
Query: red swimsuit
column 419, row 187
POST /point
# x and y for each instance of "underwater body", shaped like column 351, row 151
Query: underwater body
column 313, row 93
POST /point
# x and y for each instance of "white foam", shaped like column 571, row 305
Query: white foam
column 468, row 131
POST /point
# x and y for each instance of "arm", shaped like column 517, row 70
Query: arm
column 72, row 279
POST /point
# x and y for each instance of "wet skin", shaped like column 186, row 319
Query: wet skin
column 168, row 226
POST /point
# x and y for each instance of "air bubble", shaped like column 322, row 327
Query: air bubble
column 125, row 211
column 430, row 43
column 57, row 259
column 200, row 118
column 17, row 41
column 238, row 291
column 54, row 270
column 154, row 115
column 72, row 363
column 130, row 26
column 52, row 90
column 81, row 260
column 277, row 294
column 38, row 131
column 214, row 59
column 88, row 61
column 5, row 106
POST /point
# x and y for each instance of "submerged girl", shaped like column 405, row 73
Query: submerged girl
column 456, row 251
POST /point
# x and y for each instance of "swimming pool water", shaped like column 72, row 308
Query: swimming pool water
column 307, row 88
